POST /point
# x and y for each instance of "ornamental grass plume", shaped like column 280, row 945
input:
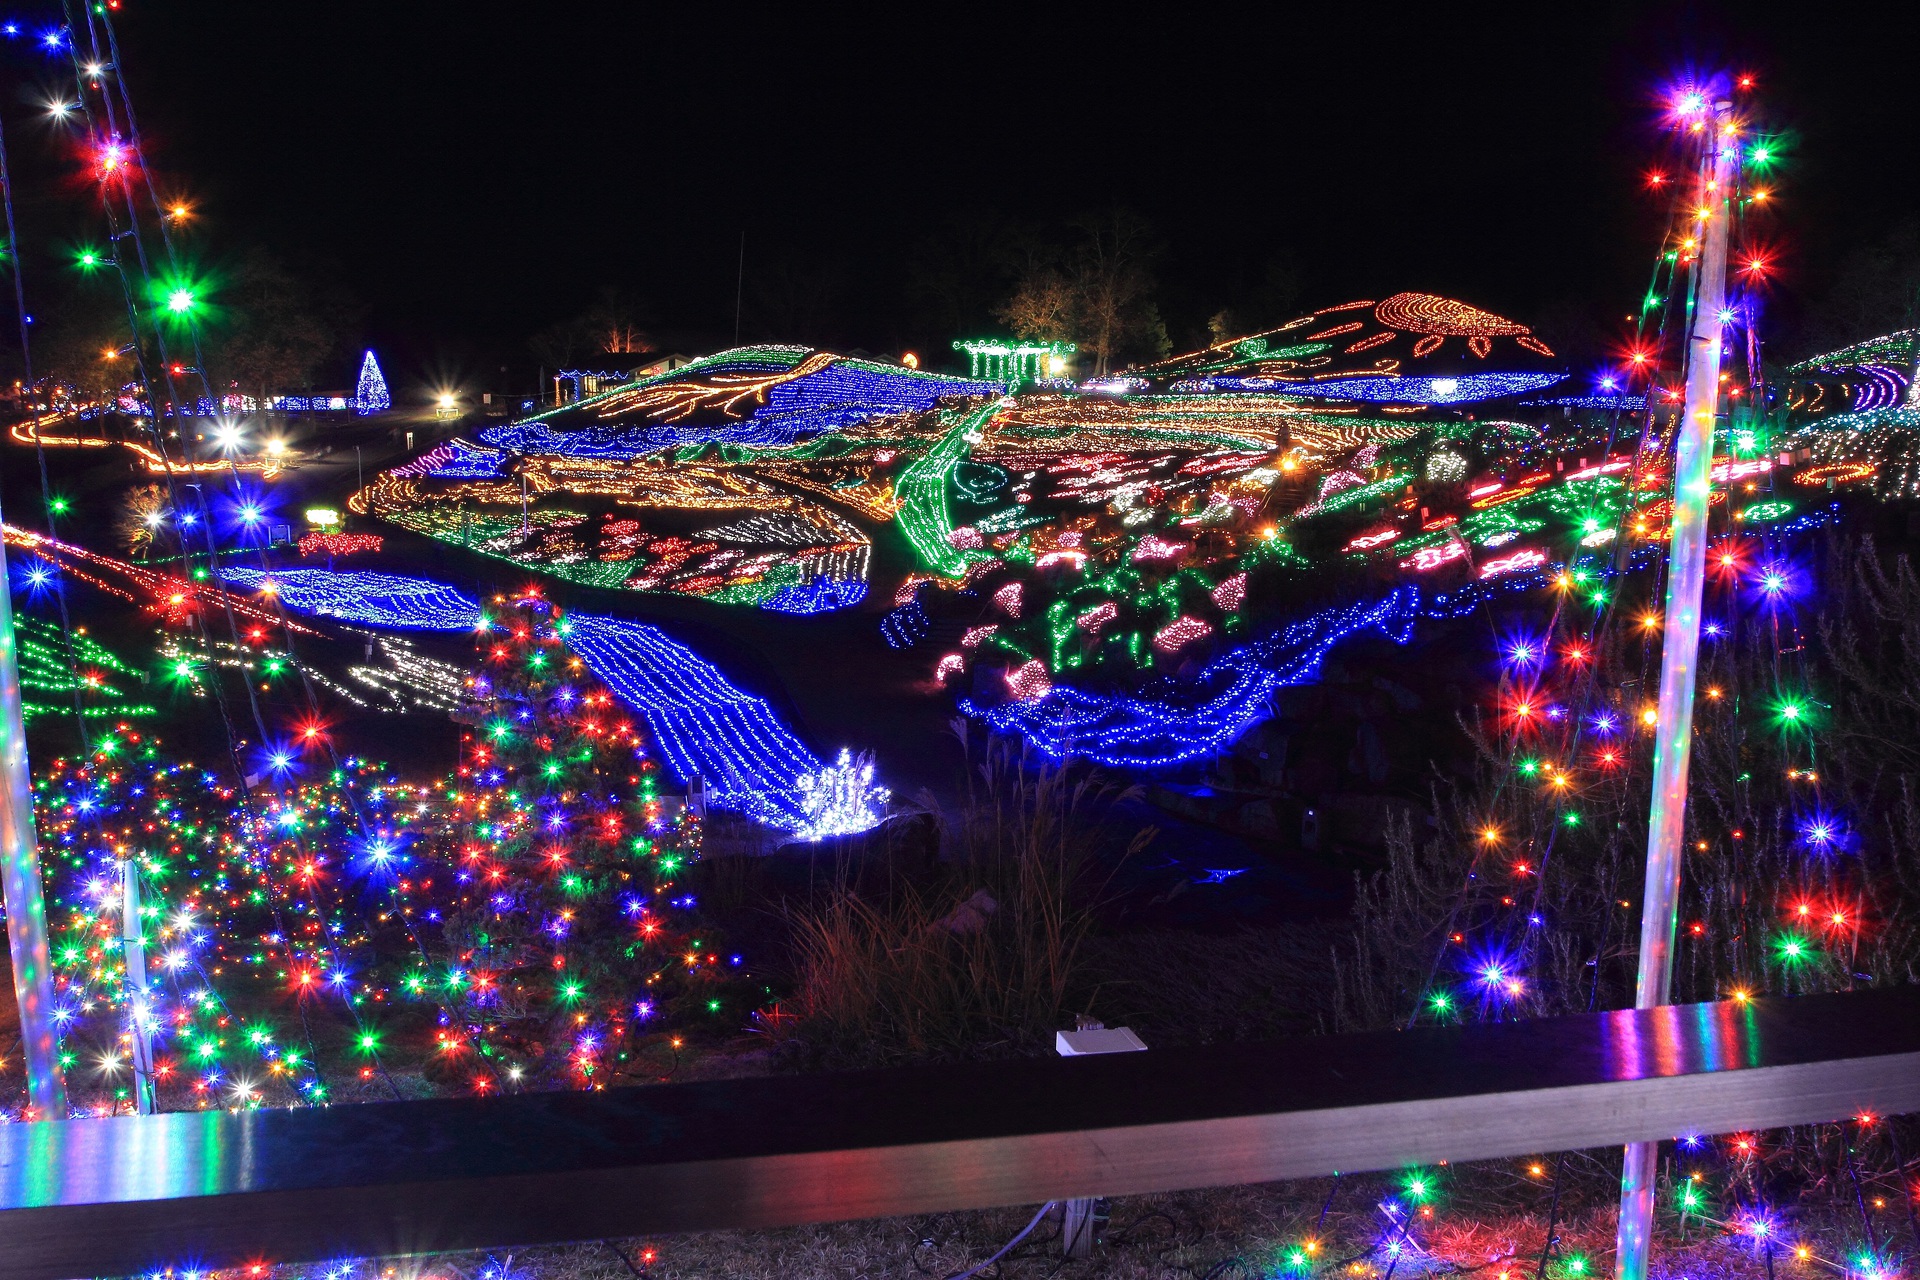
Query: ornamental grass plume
column 978, row 956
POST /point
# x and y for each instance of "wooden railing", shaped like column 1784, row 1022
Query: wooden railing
column 131, row 1195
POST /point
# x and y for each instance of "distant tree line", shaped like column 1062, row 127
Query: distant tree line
column 1091, row 281
column 1875, row 289
column 614, row 324
column 265, row 330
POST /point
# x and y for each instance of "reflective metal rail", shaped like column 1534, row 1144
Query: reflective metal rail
column 128, row 1195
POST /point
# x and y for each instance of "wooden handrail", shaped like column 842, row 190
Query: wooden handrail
column 210, row 1189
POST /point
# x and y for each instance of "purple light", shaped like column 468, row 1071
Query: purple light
column 1825, row 833
column 1497, row 974
column 1777, row 582
column 1525, row 652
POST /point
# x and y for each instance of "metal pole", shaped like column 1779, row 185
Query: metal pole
column 1679, row 656
column 140, row 1010
column 20, row 884
column 739, row 286
column 1076, row 1228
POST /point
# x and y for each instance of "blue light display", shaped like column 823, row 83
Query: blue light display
column 1629, row 404
column 706, row 727
column 842, row 394
column 1181, row 724
column 310, row 404
column 1459, row 389
column 822, row 595
column 455, row 460
column 617, row 444
column 906, row 626
column 732, row 740
column 367, row 599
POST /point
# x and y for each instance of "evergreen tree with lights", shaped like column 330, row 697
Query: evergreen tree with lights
column 571, row 955
column 371, row 394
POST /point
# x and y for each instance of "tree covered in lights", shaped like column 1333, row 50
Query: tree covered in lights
column 241, row 921
column 571, row 948
column 370, row 394
column 530, row 905
column 48, row 658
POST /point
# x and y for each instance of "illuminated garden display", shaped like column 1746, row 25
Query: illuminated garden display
column 735, row 606
column 1123, row 571
column 730, row 479
column 1139, row 527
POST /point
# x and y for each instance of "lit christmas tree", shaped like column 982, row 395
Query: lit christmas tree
column 566, row 945
column 371, row 395
column 237, row 917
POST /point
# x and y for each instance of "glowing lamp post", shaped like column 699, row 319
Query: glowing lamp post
column 1679, row 661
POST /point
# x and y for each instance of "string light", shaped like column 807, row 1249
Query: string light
column 339, row 544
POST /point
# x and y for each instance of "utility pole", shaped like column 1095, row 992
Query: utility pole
column 1680, row 651
column 20, row 885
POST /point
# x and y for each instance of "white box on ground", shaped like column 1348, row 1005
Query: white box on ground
column 1078, row 1044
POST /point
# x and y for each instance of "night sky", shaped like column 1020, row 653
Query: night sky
column 473, row 173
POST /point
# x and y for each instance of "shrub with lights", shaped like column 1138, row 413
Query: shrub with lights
column 568, row 944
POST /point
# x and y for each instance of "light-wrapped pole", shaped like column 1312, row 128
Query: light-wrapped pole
column 20, row 882
column 133, row 944
column 1680, row 652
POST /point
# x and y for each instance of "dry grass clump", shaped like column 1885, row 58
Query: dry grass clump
column 977, row 954
column 1179, row 988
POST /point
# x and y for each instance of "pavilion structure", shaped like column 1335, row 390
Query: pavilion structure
column 997, row 360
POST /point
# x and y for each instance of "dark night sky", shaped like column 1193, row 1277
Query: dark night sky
column 474, row 172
